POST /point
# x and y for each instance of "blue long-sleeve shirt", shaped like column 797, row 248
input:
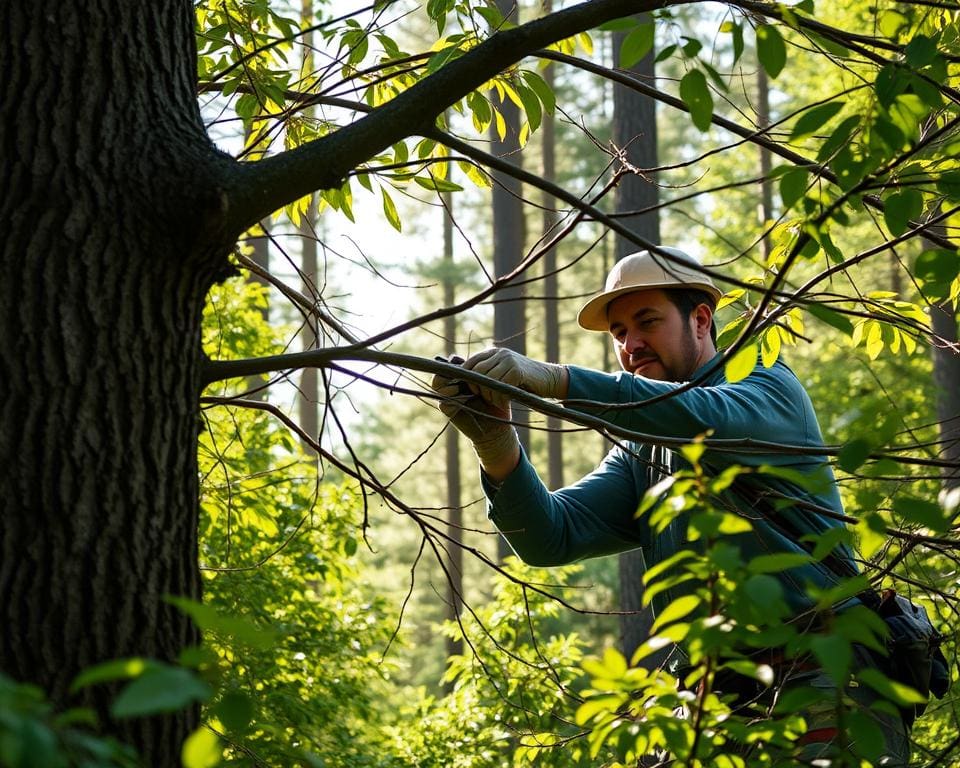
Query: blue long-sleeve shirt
column 597, row 515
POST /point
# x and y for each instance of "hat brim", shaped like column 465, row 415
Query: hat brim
column 593, row 314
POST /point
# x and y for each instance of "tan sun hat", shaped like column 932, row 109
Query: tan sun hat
column 642, row 271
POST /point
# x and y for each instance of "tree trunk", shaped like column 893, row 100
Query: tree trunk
column 766, row 162
column 551, row 323
column 452, row 448
column 509, row 235
column 308, row 396
column 635, row 132
column 111, row 214
column 946, row 374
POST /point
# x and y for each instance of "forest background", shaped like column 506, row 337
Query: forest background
column 358, row 609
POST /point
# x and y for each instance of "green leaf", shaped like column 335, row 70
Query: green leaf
column 898, row 693
column 770, row 347
column 830, row 46
column 201, row 749
column 826, row 242
column 937, row 266
column 666, row 53
column 765, row 594
column 390, row 210
column 692, row 452
column 235, row 627
column 834, row 654
column 637, row 44
column 853, row 454
column 247, row 105
column 830, row 317
column 899, row 208
column 891, row 22
column 907, row 113
column 677, row 609
column 491, row 15
column 656, row 569
column 922, row 511
column 691, row 48
column 793, row 186
column 531, row 106
column 118, row 669
column 736, row 30
column 891, row 81
column 480, row 110
column 921, row 51
column 839, row 137
column 948, row 182
column 771, row 50
column 696, row 95
column 543, row 91
column 438, row 184
column 161, row 689
column 889, row 134
column 612, row 666
column 814, row 119
column 742, row 363
column 235, row 710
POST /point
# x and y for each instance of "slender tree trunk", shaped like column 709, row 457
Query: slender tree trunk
column 551, row 324
column 635, row 131
column 946, row 374
column 112, row 218
column 766, row 162
column 452, row 446
column 261, row 257
column 308, row 396
column 509, row 236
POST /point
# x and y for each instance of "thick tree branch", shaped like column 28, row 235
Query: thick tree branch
column 259, row 188
column 218, row 370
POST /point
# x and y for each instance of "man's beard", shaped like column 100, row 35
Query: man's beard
column 686, row 362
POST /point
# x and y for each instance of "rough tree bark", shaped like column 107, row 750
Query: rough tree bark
column 635, row 133
column 118, row 213
column 110, row 212
column 509, row 235
column 551, row 321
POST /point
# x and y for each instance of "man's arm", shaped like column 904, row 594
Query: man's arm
column 595, row 516
column 769, row 405
column 500, row 464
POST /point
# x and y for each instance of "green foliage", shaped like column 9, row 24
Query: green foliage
column 32, row 735
column 728, row 615
column 510, row 689
column 293, row 635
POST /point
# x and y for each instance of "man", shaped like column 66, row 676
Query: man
column 658, row 310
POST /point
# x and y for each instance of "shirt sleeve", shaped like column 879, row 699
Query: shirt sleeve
column 595, row 516
column 770, row 405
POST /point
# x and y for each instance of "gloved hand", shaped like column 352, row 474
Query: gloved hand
column 483, row 424
column 542, row 379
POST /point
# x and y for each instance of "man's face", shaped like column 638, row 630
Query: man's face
column 651, row 338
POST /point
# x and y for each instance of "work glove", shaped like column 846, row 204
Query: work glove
column 541, row 379
column 483, row 424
